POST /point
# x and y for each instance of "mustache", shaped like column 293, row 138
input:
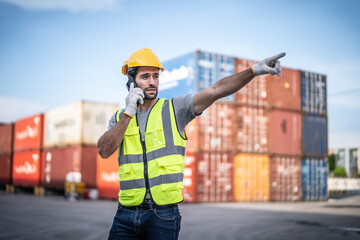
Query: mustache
column 151, row 88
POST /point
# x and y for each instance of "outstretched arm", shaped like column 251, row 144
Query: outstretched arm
column 229, row 85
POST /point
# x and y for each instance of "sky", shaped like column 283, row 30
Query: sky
column 55, row 52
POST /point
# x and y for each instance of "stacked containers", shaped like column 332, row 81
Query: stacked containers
column 268, row 137
column 6, row 147
column 28, row 147
column 209, row 152
column 70, row 138
column 314, row 141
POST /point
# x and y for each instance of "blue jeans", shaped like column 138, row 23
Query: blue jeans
column 143, row 223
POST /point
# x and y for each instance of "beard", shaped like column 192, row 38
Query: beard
column 150, row 96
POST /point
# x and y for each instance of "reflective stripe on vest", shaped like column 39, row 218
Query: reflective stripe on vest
column 165, row 154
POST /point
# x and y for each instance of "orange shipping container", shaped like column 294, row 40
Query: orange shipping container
column 28, row 133
column 5, row 169
column 27, row 168
column 284, row 132
column 251, row 178
column 270, row 91
column 107, row 177
column 60, row 161
column 285, row 178
column 192, row 134
column 6, row 138
column 189, row 190
column 214, row 179
column 251, row 130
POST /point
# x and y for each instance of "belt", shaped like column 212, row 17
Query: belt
column 148, row 205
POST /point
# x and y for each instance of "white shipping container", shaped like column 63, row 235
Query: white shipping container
column 77, row 123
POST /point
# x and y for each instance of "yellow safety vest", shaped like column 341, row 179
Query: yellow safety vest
column 158, row 162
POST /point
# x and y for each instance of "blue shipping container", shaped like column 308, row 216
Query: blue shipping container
column 314, row 174
column 313, row 93
column 193, row 73
column 314, row 135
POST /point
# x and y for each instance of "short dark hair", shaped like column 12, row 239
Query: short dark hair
column 132, row 72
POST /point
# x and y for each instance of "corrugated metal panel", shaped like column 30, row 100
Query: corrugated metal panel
column 285, row 133
column 313, row 93
column 214, row 177
column 189, row 190
column 60, row 161
column 77, row 123
column 216, row 126
column 285, row 182
column 314, row 178
column 255, row 92
column 27, row 168
column 192, row 134
column 315, row 137
column 193, row 73
column 28, row 133
column 251, row 177
column 284, row 91
column 251, row 130
column 108, row 182
column 6, row 138
column 5, row 169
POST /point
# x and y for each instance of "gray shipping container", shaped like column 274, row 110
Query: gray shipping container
column 313, row 93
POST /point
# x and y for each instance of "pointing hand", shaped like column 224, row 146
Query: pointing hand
column 268, row 65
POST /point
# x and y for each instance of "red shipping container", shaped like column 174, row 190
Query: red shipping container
column 189, row 190
column 107, row 176
column 214, row 179
column 6, row 138
column 28, row 133
column 60, row 161
column 5, row 169
column 285, row 178
column 27, row 168
column 192, row 134
column 216, row 127
column 251, row 130
column 284, row 132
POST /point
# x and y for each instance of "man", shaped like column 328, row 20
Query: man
column 151, row 139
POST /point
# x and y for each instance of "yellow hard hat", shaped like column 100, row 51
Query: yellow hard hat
column 143, row 57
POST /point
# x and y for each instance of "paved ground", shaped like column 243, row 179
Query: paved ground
column 24, row 216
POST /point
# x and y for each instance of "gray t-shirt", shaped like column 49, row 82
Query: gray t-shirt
column 184, row 113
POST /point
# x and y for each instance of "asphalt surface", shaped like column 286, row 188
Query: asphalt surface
column 25, row 216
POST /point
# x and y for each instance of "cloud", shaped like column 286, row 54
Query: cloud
column 12, row 109
column 69, row 5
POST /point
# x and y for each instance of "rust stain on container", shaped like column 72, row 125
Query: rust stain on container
column 5, row 168
column 6, row 138
column 28, row 133
column 214, row 179
column 251, row 178
column 284, row 132
column 27, row 168
column 108, row 181
column 60, row 161
column 285, row 178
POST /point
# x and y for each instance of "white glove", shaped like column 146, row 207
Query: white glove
column 268, row 65
column 135, row 95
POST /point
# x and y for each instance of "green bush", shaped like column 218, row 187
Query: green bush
column 331, row 162
column 339, row 172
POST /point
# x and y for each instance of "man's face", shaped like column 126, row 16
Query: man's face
column 147, row 79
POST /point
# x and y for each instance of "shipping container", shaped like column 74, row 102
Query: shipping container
column 6, row 138
column 314, row 135
column 60, row 161
column 193, row 73
column 189, row 190
column 314, row 172
column 214, row 179
column 284, row 132
column 285, row 178
column 251, row 178
column 251, row 130
column 27, row 168
column 193, row 135
column 313, row 93
column 28, row 133
column 108, row 182
column 270, row 91
column 5, row 168
column 77, row 123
